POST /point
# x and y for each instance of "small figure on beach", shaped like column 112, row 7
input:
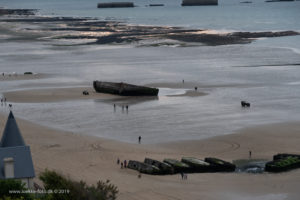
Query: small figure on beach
column 182, row 80
column 196, row 88
column 140, row 138
column 3, row 74
column 250, row 154
column 121, row 165
column 245, row 104
column 127, row 109
column 114, row 106
column 182, row 175
column 85, row 92
column 185, row 176
column 125, row 163
column 118, row 161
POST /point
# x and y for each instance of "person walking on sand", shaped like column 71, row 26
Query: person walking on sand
column 121, row 165
column 125, row 163
column 250, row 154
column 182, row 175
column 118, row 161
column 140, row 137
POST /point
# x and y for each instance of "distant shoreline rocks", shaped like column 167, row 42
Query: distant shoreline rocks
column 156, row 4
column 4, row 11
column 270, row 1
column 199, row 3
column 115, row 5
column 92, row 31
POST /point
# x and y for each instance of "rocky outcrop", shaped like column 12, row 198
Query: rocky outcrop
column 143, row 167
column 115, row 5
column 178, row 166
column 285, row 155
column 218, row 165
column 156, row 4
column 197, row 165
column 209, row 39
column 164, row 167
column 17, row 11
column 263, row 34
column 117, row 32
column 269, row 1
column 199, row 2
column 283, row 164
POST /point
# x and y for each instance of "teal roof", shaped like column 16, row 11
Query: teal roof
column 11, row 135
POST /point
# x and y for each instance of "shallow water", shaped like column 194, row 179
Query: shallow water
column 272, row 90
column 228, row 15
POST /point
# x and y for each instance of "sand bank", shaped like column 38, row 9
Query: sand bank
column 91, row 159
column 75, row 93
column 16, row 76
column 192, row 85
column 189, row 93
column 55, row 95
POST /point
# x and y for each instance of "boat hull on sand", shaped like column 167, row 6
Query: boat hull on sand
column 124, row 89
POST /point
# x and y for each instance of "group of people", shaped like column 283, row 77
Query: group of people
column 196, row 88
column 123, row 164
column 3, row 100
column 123, row 107
column 183, row 176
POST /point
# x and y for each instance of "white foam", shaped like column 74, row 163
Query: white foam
column 294, row 83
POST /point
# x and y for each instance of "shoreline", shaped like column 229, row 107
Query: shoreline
column 18, row 77
column 103, row 32
column 95, row 158
column 212, row 109
column 60, row 94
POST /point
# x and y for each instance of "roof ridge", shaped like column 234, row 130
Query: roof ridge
column 11, row 135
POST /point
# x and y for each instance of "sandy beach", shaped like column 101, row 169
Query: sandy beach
column 92, row 158
column 16, row 77
column 204, row 61
column 75, row 93
column 89, row 158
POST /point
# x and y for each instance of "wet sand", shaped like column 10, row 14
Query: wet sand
column 189, row 93
column 95, row 158
column 16, row 76
column 114, row 32
column 58, row 94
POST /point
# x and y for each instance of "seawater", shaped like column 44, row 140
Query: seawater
column 228, row 15
column 265, row 72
